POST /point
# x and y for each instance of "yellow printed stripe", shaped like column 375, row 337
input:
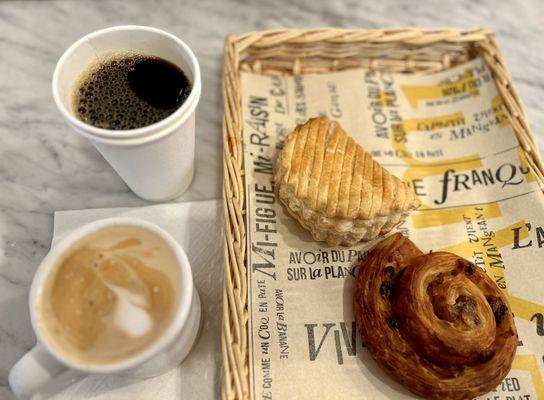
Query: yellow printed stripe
column 386, row 99
column 530, row 176
column 503, row 237
column 466, row 84
column 497, row 106
column 430, row 124
column 529, row 363
column 524, row 309
column 425, row 169
column 422, row 172
column 449, row 216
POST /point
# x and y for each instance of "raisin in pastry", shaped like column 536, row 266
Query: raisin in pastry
column 434, row 322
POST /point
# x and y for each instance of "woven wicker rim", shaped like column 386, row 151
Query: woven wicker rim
column 299, row 51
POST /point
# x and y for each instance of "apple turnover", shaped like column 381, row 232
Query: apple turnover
column 335, row 189
column 435, row 322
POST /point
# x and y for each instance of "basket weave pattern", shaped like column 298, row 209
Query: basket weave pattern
column 294, row 51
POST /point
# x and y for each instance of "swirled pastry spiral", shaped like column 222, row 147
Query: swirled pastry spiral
column 435, row 322
column 335, row 189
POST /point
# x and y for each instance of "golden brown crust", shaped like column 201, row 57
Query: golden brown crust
column 435, row 322
column 335, row 189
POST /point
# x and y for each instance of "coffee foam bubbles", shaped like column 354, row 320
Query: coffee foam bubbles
column 103, row 96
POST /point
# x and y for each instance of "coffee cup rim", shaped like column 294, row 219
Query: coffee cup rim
column 176, row 325
column 181, row 113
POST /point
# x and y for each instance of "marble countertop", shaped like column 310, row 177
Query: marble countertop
column 44, row 167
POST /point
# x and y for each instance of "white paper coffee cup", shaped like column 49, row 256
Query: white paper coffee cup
column 155, row 161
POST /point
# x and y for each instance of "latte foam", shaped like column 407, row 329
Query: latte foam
column 111, row 296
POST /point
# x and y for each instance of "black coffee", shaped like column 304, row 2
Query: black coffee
column 129, row 90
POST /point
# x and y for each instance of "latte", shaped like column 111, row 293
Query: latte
column 111, row 296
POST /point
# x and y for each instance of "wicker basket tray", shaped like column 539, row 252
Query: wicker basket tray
column 282, row 52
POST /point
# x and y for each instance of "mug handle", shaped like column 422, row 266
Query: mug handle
column 35, row 370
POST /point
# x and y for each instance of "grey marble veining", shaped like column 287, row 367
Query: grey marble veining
column 45, row 167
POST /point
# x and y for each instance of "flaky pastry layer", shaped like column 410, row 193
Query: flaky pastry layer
column 335, row 189
column 436, row 323
column 338, row 231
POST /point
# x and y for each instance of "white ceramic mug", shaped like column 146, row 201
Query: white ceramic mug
column 155, row 161
column 44, row 364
